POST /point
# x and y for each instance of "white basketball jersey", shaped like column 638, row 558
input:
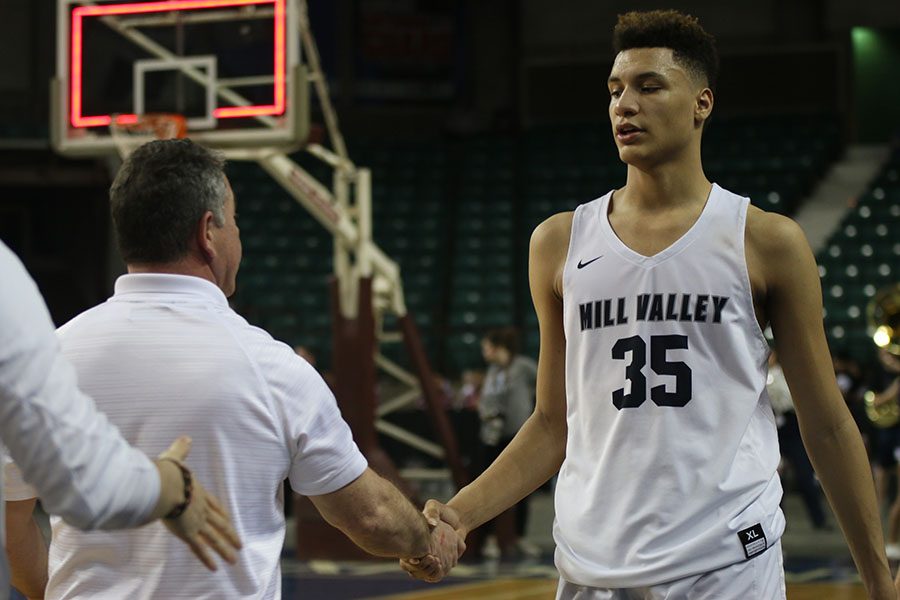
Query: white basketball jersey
column 672, row 450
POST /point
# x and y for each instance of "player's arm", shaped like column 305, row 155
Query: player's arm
column 794, row 307
column 537, row 451
column 26, row 549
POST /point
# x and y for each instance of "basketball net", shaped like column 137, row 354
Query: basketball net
column 129, row 132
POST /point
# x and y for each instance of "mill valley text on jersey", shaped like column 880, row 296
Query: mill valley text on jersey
column 606, row 312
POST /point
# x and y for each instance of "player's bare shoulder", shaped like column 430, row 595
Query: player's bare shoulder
column 549, row 248
column 775, row 244
column 771, row 234
column 553, row 231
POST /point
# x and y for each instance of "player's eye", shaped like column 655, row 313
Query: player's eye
column 615, row 93
column 649, row 89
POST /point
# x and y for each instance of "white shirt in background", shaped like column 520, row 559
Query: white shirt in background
column 78, row 462
column 166, row 356
column 779, row 393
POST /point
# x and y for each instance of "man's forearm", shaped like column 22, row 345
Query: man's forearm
column 533, row 456
column 397, row 529
column 377, row 517
column 840, row 461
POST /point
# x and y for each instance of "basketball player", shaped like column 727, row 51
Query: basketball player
column 651, row 398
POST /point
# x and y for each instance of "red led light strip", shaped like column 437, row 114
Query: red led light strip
column 76, row 119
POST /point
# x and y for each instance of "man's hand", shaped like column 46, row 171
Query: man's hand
column 204, row 523
column 447, row 544
column 436, row 512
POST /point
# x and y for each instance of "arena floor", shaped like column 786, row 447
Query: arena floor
column 817, row 565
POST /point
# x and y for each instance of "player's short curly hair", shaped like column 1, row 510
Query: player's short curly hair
column 691, row 45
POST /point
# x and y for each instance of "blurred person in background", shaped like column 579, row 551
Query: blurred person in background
column 791, row 443
column 467, row 420
column 506, row 402
column 469, row 394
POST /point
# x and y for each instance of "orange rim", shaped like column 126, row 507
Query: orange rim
column 160, row 125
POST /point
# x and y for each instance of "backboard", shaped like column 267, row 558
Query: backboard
column 231, row 67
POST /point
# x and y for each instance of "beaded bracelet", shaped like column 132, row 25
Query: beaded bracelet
column 188, row 489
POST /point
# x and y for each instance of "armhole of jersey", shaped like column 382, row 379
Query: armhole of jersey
column 745, row 279
column 572, row 238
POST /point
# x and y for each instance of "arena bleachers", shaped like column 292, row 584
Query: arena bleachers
column 286, row 263
column 861, row 256
column 410, row 214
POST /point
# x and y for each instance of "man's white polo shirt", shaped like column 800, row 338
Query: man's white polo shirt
column 166, row 356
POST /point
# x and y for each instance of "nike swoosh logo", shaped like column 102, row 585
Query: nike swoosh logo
column 582, row 265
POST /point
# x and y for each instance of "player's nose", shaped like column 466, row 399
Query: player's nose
column 626, row 104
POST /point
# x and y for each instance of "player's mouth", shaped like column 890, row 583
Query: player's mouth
column 627, row 133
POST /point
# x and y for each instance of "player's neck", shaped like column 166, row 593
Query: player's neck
column 666, row 185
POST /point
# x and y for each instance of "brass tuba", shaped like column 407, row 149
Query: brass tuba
column 883, row 314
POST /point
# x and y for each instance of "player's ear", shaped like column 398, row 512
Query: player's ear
column 703, row 106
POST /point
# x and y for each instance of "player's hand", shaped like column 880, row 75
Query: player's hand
column 447, row 544
column 204, row 524
column 446, row 548
column 437, row 511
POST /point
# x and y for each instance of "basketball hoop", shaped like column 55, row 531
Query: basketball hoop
column 130, row 132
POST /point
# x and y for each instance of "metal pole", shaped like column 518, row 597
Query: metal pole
column 312, row 57
column 180, row 100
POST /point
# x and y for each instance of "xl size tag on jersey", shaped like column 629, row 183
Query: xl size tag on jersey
column 754, row 540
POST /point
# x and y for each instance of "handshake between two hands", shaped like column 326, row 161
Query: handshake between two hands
column 447, row 544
